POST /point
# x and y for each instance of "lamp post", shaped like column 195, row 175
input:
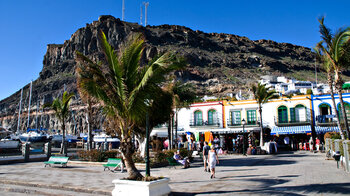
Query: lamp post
column 243, row 123
column 148, row 173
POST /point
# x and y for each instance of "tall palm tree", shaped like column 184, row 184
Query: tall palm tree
column 329, row 69
column 335, row 48
column 61, row 108
column 262, row 95
column 183, row 95
column 125, row 88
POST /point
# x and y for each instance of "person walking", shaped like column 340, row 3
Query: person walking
column 213, row 159
column 205, row 152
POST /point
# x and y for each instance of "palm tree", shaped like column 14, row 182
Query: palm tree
column 61, row 108
column 262, row 95
column 336, row 50
column 183, row 96
column 329, row 69
column 125, row 88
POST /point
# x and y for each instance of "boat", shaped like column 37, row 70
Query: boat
column 6, row 141
column 34, row 136
column 69, row 138
column 102, row 138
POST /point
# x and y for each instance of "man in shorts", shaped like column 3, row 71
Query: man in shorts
column 206, row 149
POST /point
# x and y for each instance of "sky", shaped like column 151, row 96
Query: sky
column 27, row 27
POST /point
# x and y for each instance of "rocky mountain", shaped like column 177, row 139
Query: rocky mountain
column 219, row 64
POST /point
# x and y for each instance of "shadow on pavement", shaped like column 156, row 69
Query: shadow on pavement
column 253, row 162
column 326, row 189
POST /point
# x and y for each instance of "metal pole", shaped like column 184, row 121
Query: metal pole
column 19, row 112
column 244, row 153
column 123, row 11
column 30, row 99
column 148, row 173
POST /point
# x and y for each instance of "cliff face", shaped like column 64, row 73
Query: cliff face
column 218, row 63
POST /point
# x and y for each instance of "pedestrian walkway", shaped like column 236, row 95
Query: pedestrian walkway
column 299, row 173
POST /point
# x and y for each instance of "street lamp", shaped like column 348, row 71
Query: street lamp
column 243, row 123
column 148, row 173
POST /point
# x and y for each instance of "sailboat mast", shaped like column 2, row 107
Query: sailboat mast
column 19, row 112
column 36, row 117
column 30, row 99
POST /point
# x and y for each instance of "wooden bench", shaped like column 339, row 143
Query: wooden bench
column 54, row 160
column 172, row 162
column 112, row 162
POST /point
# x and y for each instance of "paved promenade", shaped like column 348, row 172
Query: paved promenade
column 299, row 173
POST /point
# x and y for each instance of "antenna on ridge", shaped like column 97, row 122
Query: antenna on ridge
column 123, row 10
column 146, row 5
column 141, row 14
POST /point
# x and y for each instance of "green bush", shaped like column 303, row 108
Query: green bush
column 97, row 155
column 341, row 149
column 335, row 136
column 112, row 154
column 136, row 157
column 160, row 157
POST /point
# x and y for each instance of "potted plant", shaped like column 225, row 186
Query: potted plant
column 128, row 91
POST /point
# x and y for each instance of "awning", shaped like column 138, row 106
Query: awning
column 326, row 129
column 301, row 130
column 291, row 130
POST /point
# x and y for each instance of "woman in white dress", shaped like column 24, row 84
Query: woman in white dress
column 213, row 159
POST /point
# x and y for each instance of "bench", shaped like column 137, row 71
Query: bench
column 172, row 162
column 54, row 160
column 112, row 162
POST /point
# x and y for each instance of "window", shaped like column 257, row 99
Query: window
column 198, row 118
column 300, row 113
column 324, row 109
column 282, row 114
column 235, row 117
column 347, row 110
column 212, row 117
column 292, row 114
column 251, row 117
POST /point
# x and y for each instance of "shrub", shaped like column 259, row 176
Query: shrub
column 336, row 136
column 97, row 155
column 112, row 154
column 332, row 135
column 137, row 158
column 160, row 157
column 341, row 149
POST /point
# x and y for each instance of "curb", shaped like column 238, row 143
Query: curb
column 57, row 187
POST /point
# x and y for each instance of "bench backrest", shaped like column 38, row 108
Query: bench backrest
column 113, row 161
column 58, row 159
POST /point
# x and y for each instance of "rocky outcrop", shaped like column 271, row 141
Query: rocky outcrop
column 218, row 63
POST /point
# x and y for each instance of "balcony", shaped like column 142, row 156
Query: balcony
column 233, row 125
column 326, row 120
column 292, row 122
column 215, row 123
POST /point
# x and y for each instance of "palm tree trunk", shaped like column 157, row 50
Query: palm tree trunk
column 330, row 84
column 336, row 114
column 127, row 151
column 338, row 84
column 63, row 137
column 170, row 126
column 176, row 121
column 346, row 124
column 89, row 147
column 261, row 128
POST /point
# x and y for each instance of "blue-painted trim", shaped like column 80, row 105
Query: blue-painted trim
column 312, row 108
column 330, row 106
column 325, row 97
column 344, row 103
